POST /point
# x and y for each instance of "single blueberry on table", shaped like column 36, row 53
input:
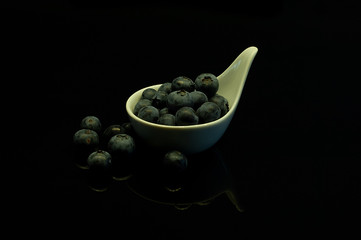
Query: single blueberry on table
column 99, row 176
column 166, row 87
column 140, row 104
column 208, row 112
column 149, row 113
column 207, row 83
column 86, row 136
column 160, row 99
column 91, row 122
column 198, row 98
column 149, row 93
column 167, row 119
column 122, row 149
column 99, row 160
column 128, row 128
column 186, row 116
column 121, row 143
column 174, row 162
column 85, row 141
column 184, row 83
column 221, row 102
column 179, row 99
column 174, row 166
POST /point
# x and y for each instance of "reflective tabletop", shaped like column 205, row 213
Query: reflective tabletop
column 288, row 165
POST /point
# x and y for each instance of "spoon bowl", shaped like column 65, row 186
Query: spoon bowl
column 196, row 138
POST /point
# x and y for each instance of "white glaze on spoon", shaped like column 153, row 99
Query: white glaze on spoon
column 196, row 138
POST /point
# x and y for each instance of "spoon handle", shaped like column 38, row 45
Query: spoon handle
column 232, row 80
column 241, row 63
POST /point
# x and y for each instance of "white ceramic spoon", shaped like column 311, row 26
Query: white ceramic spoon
column 196, row 138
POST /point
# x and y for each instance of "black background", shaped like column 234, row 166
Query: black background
column 293, row 147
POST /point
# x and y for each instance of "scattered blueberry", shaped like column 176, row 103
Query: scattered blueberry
column 174, row 165
column 166, row 87
column 99, row 160
column 208, row 112
column 85, row 141
column 122, row 149
column 99, row 163
column 198, row 98
column 140, row 104
column 121, row 143
column 91, row 122
column 167, row 119
column 183, row 83
column 186, row 116
column 160, row 99
column 174, row 162
column 149, row 93
column 149, row 113
column 221, row 102
column 207, row 83
column 178, row 99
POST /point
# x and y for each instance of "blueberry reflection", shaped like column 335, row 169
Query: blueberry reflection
column 205, row 178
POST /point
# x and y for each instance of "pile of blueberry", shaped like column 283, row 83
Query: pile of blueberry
column 105, row 154
column 183, row 102
column 111, row 153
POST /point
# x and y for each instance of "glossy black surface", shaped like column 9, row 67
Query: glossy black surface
column 287, row 167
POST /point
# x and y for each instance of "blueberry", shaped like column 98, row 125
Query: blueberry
column 122, row 149
column 85, row 141
column 160, row 99
column 149, row 113
column 110, row 132
column 128, row 128
column 221, row 102
column 208, row 112
column 166, row 87
column 184, row 83
column 178, row 99
column 186, row 116
column 198, row 98
column 148, row 93
column 167, row 119
column 99, row 176
column 91, row 122
column 174, row 166
column 163, row 111
column 140, row 104
column 99, row 160
column 121, row 143
column 207, row 83
column 174, row 162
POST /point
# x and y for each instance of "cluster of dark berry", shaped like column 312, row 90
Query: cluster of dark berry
column 183, row 102
column 111, row 153
column 106, row 153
